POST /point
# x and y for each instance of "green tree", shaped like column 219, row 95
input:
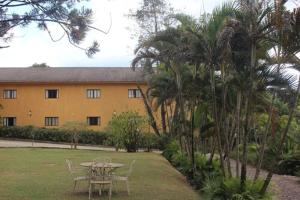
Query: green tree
column 42, row 65
column 74, row 129
column 70, row 16
column 151, row 17
column 126, row 129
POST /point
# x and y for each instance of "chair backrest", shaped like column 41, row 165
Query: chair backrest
column 130, row 168
column 69, row 164
column 98, row 170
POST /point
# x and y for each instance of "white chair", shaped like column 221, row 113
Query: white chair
column 125, row 178
column 99, row 177
column 75, row 173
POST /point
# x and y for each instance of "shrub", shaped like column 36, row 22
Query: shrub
column 181, row 161
column 172, row 148
column 149, row 141
column 290, row 164
column 52, row 135
column 225, row 189
column 126, row 130
column 205, row 170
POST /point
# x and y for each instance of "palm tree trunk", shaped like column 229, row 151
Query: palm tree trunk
column 216, row 119
column 225, row 128
column 239, row 99
column 192, row 141
column 245, row 145
column 163, row 117
column 264, row 141
column 149, row 111
column 282, row 141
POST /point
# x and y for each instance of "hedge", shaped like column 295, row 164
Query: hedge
column 52, row 134
column 148, row 141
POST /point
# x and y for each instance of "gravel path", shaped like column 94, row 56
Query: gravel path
column 285, row 187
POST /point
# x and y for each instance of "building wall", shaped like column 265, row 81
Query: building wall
column 72, row 104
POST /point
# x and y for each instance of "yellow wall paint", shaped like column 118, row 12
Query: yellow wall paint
column 72, row 104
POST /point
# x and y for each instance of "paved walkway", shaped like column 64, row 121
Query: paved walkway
column 286, row 187
column 15, row 143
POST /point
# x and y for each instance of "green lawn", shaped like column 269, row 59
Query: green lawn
column 29, row 174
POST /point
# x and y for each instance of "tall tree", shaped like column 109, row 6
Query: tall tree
column 70, row 16
column 151, row 17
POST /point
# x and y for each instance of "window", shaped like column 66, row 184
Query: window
column 9, row 121
column 93, row 121
column 10, row 94
column 134, row 93
column 93, row 93
column 51, row 94
column 51, row 121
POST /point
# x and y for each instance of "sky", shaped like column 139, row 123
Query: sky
column 30, row 45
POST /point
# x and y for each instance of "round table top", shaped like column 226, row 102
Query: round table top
column 102, row 165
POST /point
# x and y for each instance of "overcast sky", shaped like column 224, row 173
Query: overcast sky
column 31, row 45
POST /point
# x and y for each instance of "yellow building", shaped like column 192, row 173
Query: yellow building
column 50, row 97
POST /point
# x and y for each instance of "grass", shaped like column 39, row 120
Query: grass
column 32, row 173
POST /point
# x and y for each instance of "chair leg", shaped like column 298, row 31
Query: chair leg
column 110, row 190
column 90, row 191
column 114, row 184
column 127, row 185
column 75, row 182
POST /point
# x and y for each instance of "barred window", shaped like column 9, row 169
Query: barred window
column 93, row 121
column 51, row 94
column 10, row 94
column 134, row 93
column 93, row 93
column 51, row 121
column 9, row 121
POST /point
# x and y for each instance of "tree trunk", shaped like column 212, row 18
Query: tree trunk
column 215, row 114
column 192, row 141
column 149, row 111
column 245, row 145
column 239, row 99
column 264, row 141
column 163, row 117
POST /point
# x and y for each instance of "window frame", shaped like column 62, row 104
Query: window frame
column 98, row 121
column 134, row 93
column 47, row 94
column 11, row 91
column 51, row 121
column 90, row 93
column 5, row 121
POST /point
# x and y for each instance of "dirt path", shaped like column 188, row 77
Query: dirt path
column 286, row 187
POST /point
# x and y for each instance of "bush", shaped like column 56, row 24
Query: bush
column 290, row 165
column 172, row 148
column 181, row 161
column 149, row 141
column 225, row 189
column 126, row 130
column 205, row 170
column 52, row 135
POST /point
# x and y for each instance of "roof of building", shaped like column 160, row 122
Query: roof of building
column 70, row 75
